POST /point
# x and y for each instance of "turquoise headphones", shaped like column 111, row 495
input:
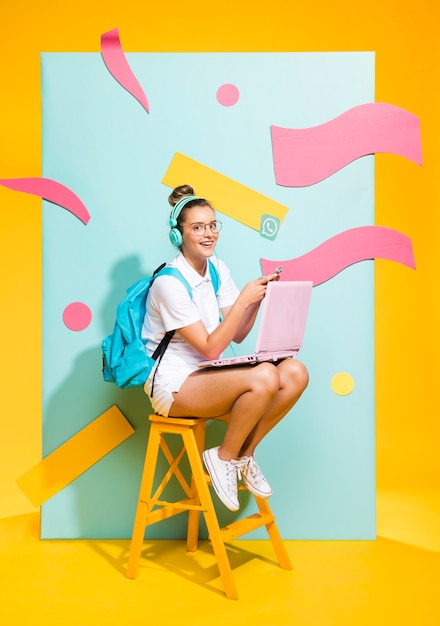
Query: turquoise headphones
column 175, row 235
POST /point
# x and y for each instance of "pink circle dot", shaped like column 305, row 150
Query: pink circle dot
column 77, row 316
column 228, row 95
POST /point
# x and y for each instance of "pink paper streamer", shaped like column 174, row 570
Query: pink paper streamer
column 117, row 64
column 305, row 156
column 52, row 191
column 337, row 253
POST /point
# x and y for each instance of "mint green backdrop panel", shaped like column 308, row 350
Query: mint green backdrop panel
column 102, row 144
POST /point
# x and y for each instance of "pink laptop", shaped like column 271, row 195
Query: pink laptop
column 282, row 326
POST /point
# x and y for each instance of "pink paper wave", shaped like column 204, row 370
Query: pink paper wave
column 117, row 64
column 52, row 191
column 305, row 156
column 339, row 252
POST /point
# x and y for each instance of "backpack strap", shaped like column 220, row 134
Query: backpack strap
column 165, row 270
column 159, row 352
column 215, row 277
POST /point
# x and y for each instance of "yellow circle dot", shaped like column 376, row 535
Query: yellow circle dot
column 342, row 383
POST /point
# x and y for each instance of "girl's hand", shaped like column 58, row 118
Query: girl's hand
column 254, row 291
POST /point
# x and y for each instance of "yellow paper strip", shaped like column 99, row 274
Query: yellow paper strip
column 75, row 456
column 227, row 195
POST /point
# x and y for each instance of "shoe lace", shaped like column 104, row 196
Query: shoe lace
column 233, row 470
column 250, row 467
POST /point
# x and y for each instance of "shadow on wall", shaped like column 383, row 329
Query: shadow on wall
column 125, row 273
column 101, row 503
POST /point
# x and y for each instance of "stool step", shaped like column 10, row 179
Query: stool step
column 185, row 505
column 245, row 525
column 169, row 509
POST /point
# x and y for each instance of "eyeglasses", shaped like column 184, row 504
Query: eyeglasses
column 200, row 229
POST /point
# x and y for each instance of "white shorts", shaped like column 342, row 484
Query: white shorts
column 168, row 379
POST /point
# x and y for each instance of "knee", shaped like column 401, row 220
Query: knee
column 295, row 375
column 265, row 377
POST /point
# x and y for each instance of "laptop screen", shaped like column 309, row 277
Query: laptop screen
column 284, row 315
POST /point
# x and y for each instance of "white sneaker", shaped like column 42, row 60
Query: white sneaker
column 253, row 477
column 223, row 477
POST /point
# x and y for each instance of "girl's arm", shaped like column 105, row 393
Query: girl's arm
column 237, row 322
column 247, row 321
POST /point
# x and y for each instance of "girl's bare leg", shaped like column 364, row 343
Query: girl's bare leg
column 293, row 381
column 245, row 393
column 256, row 398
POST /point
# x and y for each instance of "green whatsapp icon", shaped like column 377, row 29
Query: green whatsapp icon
column 269, row 226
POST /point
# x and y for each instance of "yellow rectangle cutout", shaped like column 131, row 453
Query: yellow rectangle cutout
column 227, row 195
column 75, row 456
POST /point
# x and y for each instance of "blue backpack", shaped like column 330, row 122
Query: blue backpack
column 125, row 361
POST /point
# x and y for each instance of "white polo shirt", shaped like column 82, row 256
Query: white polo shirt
column 169, row 307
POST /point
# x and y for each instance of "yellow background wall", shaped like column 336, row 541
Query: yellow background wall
column 404, row 36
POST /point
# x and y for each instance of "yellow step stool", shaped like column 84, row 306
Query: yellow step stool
column 151, row 509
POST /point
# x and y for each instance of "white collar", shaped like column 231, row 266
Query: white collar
column 191, row 275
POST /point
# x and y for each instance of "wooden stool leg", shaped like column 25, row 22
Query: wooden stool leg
column 142, row 508
column 194, row 516
column 210, row 516
column 274, row 535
